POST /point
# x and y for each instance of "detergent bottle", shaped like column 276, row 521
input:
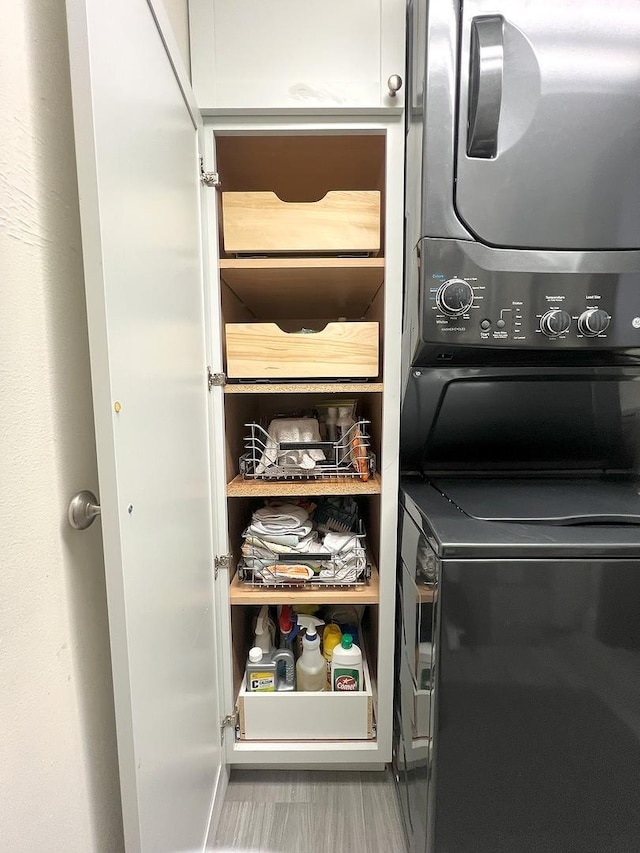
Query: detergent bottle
column 268, row 673
column 346, row 666
column 331, row 637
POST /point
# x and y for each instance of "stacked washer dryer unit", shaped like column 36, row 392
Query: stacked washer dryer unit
column 518, row 721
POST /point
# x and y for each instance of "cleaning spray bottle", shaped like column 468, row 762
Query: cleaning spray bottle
column 265, row 631
column 288, row 624
column 311, row 668
column 309, row 623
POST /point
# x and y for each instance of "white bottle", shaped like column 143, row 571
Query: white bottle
column 346, row 667
column 344, row 425
column 331, row 423
column 311, row 668
column 265, row 631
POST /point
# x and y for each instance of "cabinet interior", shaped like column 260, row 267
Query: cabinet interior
column 301, row 167
column 303, row 291
column 300, row 292
column 241, row 409
column 243, row 626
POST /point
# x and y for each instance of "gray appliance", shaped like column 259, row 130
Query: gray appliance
column 518, row 646
column 523, row 187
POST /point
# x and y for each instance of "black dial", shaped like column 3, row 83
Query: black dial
column 593, row 322
column 555, row 322
column 454, row 297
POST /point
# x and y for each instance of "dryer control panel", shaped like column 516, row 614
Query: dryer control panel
column 473, row 295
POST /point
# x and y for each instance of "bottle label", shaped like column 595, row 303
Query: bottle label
column 262, row 682
column 346, row 680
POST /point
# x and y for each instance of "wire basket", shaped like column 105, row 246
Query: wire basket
column 339, row 569
column 267, row 459
column 322, row 571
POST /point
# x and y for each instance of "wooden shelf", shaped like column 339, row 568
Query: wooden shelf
column 427, row 593
column 241, row 593
column 265, row 264
column 304, row 287
column 305, row 388
column 241, row 488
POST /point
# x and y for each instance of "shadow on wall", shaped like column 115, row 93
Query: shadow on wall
column 72, row 414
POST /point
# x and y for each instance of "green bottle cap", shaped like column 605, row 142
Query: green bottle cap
column 347, row 641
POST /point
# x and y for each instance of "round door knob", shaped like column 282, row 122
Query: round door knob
column 555, row 322
column 593, row 322
column 395, row 84
column 83, row 509
column 454, row 297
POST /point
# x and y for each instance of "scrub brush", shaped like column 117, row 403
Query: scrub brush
column 336, row 514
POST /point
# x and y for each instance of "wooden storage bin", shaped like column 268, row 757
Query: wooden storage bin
column 342, row 221
column 264, row 351
column 307, row 716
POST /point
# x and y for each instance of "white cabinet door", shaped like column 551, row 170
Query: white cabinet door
column 136, row 138
column 287, row 54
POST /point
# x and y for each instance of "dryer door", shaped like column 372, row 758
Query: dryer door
column 549, row 124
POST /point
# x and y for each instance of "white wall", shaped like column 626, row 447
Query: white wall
column 60, row 789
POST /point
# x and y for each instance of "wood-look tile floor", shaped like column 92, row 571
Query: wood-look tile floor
column 280, row 811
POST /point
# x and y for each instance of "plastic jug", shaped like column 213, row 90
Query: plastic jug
column 265, row 676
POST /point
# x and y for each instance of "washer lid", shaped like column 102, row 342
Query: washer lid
column 545, row 501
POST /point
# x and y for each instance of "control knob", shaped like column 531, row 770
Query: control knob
column 593, row 322
column 555, row 322
column 454, row 297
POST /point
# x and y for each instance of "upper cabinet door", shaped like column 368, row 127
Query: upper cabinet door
column 549, row 123
column 138, row 174
column 284, row 54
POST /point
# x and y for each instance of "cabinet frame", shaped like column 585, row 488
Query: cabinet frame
column 371, row 754
column 392, row 62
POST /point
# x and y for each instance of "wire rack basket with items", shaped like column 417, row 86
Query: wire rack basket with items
column 309, row 448
column 286, row 545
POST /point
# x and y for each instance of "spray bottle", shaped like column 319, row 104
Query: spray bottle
column 310, row 624
column 288, row 624
column 265, row 631
column 311, row 668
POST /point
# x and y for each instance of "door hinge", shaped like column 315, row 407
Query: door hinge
column 209, row 179
column 229, row 720
column 222, row 561
column 215, row 380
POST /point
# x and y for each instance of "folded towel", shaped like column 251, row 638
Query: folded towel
column 340, row 541
column 254, row 546
column 279, row 517
column 298, row 532
column 273, row 538
column 291, row 430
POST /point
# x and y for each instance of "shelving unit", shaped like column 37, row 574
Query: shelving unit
column 308, row 292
